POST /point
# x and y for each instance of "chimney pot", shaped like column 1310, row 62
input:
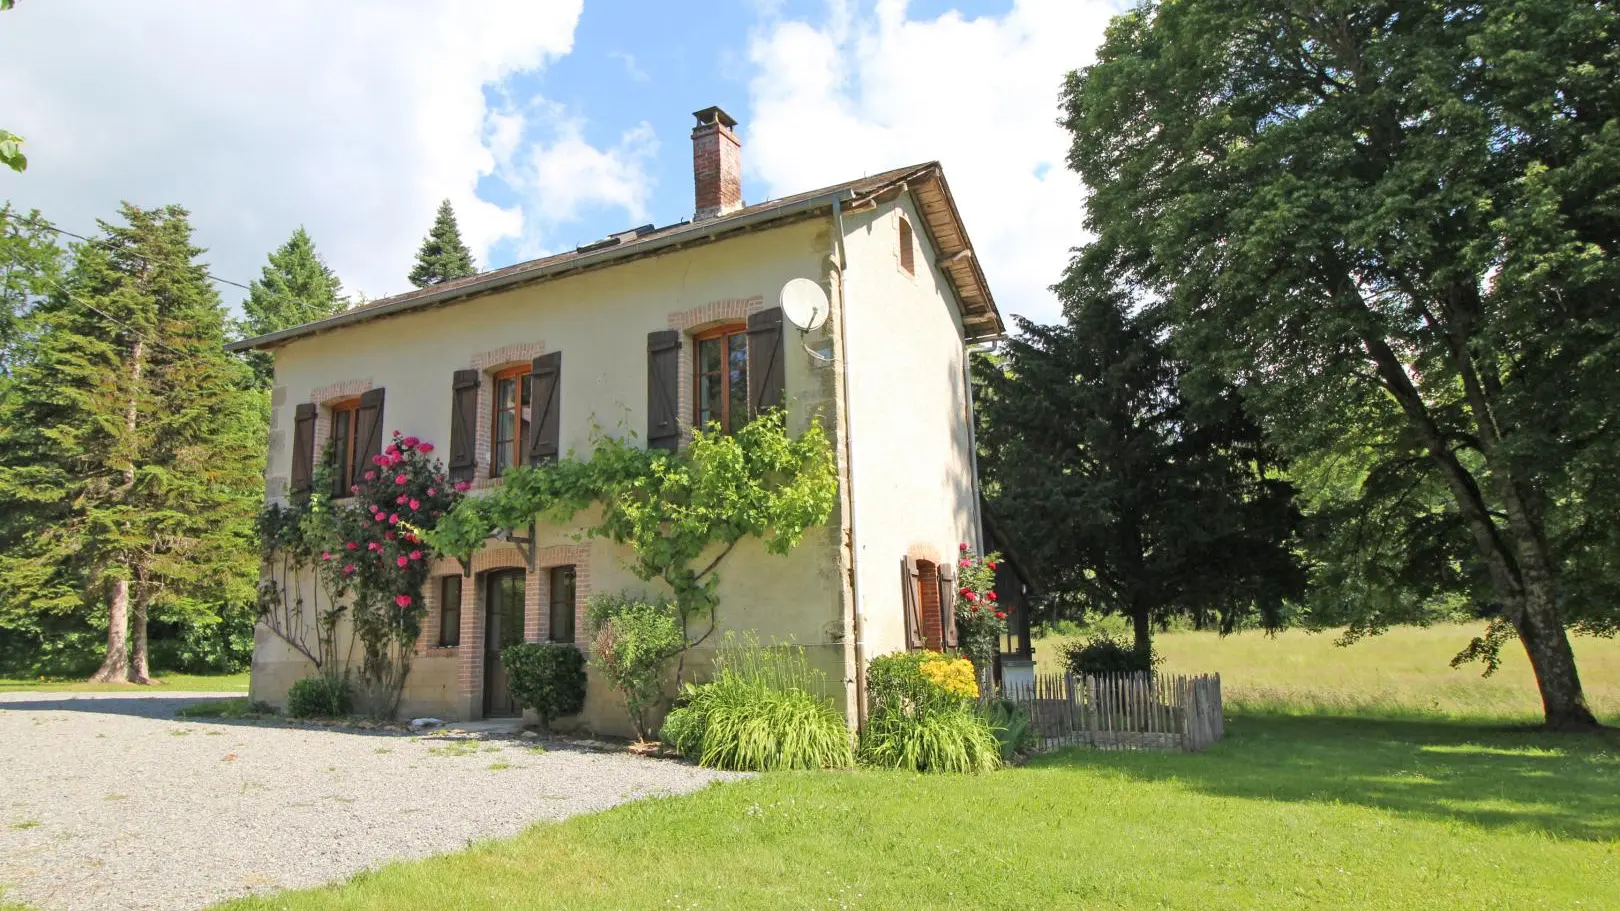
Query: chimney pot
column 716, row 164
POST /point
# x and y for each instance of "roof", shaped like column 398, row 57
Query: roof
column 925, row 181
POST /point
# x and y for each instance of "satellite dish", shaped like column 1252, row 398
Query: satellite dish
column 805, row 304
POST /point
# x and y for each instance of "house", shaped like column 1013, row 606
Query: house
column 652, row 330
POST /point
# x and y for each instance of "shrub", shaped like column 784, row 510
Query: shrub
column 915, row 722
column 633, row 640
column 1104, row 654
column 321, row 696
column 1011, row 725
column 760, row 712
column 548, row 677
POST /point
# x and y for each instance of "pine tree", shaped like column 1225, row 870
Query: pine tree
column 129, row 443
column 296, row 287
column 443, row 256
column 29, row 262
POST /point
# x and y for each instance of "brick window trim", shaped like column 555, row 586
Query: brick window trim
column 928, row 560
column 693, row 322
column 489, row 363
column 325, row 397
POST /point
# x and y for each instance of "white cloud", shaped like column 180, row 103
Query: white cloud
column 870, row 89
column 353, row 119
column 631, row 67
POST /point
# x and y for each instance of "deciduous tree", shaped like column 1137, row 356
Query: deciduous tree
column 1400, row 209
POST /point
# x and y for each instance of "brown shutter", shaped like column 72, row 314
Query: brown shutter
column 545, row 377
column 765, row 361
column 663, row 389
column 911, row 598
column 463, row 425
column 947, row 604
column 303, row 450
column 368, row 431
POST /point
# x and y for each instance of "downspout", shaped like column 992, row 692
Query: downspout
column 848, row 437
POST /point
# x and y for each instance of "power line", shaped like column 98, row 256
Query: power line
column 27, row 220
column 113, row 319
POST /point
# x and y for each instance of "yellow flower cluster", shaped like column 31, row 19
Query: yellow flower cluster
column 953, row 675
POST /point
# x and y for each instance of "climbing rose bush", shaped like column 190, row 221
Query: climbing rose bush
column 980, row 622
column 378, row 556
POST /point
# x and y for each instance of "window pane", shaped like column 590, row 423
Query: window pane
column 342, row 474
column 505, row 392
column 450, row 611
column 509, row 588
column 523, row 425
column 562, row 604
column 708, row 399
column 709, row 356
column 739, row 381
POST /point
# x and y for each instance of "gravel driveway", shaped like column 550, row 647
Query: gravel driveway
column 109, row 801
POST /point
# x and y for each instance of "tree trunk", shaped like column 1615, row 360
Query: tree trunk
column 1541, row 630
column 1143, row 629
column 115, row 668
column 139, row 664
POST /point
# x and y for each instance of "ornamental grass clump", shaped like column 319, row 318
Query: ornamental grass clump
column 761, row 712
column 922, row 720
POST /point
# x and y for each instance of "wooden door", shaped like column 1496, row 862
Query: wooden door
column 503, row 626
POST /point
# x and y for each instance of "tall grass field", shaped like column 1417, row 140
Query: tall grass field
column 1403, row 673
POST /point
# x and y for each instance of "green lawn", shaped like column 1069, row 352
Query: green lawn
column 178, row 683
column 1288, row 812
column 1348, row 779
column 1404, row 673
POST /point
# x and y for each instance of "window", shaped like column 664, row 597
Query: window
column 345, row 424
column 562, row 604
column 722, row 377
column 511, row 430
column 908, row 255
column 449, row 611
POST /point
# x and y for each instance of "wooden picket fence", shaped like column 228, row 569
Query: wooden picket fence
column 1123, row 711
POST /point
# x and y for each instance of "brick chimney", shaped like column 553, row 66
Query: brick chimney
column 716, row 164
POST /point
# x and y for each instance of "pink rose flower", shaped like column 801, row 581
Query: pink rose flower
column 416, row 555
column 409, row 443
column 351, row 545
column 400, row 479
column 461, row 486
column 354, row 488
column 371, row 476
column 376, row 460
column 401, row 562
column 381, row 517
column 392, row 450
column 433, row 491
column 393, row 519
column 348, row 569
column 402, row 600
column 416, row 504
column 389, row 535
column 425, row 448
column 374, row 546
column 326, row 555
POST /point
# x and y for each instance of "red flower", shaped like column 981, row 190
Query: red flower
column 375, row 460
column 969, row 595
column 373, row 507
column 433, row 491
column 326, row 555
column 381, row 517
column 402, row 600
column 962, row 547
column 389, row 535
column 461, row 486
column 348, row 569
column 425, row 448
column 400, row 500
column 990, row 595
column 991, row 564
column 393, row 519
column 351, row 545
column 371, row 475
column 1001, row 615
column 354, row 488
column 374, row 546
column 965, row 563
column 409, row 443
column 416, row 504
column 392, row 450
column 401, row 562
column 410, row 537
column 416, row 555
column 401, row 479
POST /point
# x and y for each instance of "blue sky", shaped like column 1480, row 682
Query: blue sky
column 548, row 123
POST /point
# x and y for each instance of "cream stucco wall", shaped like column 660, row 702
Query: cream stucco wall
column 599, row 321
column 912, row 459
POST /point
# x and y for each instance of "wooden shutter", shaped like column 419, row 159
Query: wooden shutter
column 303, row 450
column 463, row 425
column 663, row 389
column 947, row 604
column 367, row 431
column 911, row 597
column 765, row 361
column 545, row 377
